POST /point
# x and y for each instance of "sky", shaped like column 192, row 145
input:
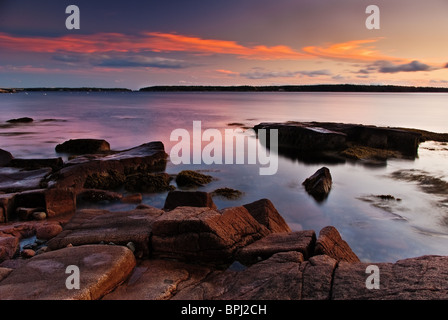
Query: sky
column 134, row 44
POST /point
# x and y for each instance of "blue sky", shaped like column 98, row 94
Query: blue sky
column 135, row 44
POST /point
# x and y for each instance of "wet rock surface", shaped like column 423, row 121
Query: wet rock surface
column 199, row 199
column 190, row 253
column 83, row 146
column 5, row 157
column 190, row 178
column 349, row 141
column 43, row 277
column 110, row 171
column 101, row 226
column 319, row 184
column 190, row 249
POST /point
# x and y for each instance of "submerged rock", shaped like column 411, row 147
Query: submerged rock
column 96, row 195
column 227, row 193
column 319, row 184
column 21, row 120
column 190, row 178
column 16, row 179
column 148, row 182
column 33, row 164
column 132, row 198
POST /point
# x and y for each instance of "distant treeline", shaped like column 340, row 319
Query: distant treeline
column 293, row 88
column 83, row 89
column 286, row 88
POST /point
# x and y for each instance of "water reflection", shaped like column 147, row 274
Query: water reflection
column 413, row 227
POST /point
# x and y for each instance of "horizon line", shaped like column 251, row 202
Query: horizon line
column 347, row 87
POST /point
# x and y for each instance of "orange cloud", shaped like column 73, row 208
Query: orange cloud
column 101, row 42
column 150, row 41
column 227, row 72
column 355, row 50
column 177, row 42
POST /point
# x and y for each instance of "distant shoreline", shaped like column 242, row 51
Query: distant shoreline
column 284, row 88
column 295, row 88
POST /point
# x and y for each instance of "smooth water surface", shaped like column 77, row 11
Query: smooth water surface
column 376, row 230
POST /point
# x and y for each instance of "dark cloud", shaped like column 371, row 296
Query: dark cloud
column 387, row 67
column 261, row 74
column 338, row 77
column 315, row 73
column 140, row 61
column 67, row 58
column 363, row 71
column 446, row 66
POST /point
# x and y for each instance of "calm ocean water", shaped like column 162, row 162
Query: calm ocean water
column 377, row 231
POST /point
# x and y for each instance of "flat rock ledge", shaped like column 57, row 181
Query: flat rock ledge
column 44, row 276
column 338, row 142
column 202, row 253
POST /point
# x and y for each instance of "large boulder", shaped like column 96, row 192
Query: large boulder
column 43, row 277
column 7, row 207
column 34, row 164
column 48, row 231
column 319, row 184
column 93, row 226
column 199, row 199
column 330, row 243
column 204, row 234
column 301, row 241
column 56, row 202
column 83, row 146
column 110, row 171
column 9, row 246
column 300, row 139
column 266, row 214
column 305, row 137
